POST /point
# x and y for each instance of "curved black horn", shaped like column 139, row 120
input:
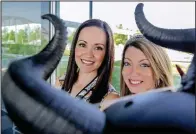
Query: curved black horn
column 177, row 39
column 188, row 80
column 36, row 107
column 52, row 53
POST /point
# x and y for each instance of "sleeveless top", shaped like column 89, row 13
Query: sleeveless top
column 84, row 92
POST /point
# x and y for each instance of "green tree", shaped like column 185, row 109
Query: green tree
column 120, row 38
column 5, row 34
column 11, row 35
column 21, row 35
column 32, row 35
column 70, row 38
column 137, row 32
column 26, row 36
column 69, row 42
column 35, row 34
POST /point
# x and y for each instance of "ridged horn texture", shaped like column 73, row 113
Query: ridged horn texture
column 188, row 80
column 36, row 107
column 177, row 39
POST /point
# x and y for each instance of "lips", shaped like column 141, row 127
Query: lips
column 87, row 62
column 135, row 82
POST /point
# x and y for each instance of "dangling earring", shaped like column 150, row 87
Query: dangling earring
column 77, row 69
column 157, row 83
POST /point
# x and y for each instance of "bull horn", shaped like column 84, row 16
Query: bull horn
column 52, row 53
column 177, row 39
column 34, row 106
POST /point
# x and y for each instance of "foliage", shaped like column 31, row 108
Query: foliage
column 70, row 38
column 23, row 42
column 116, row 75
column 22, row 49
column 66, row 52
column 120, row 38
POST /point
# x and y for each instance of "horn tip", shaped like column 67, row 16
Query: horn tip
column 139, row 8
column 46, row 16
column 140, row 5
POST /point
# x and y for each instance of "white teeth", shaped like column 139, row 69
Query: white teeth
column 135, row 82
column 87, row 62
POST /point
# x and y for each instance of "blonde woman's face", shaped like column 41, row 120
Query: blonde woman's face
column 137, row 71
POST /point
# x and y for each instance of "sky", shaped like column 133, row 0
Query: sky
column 161, row 14
column 175, row 15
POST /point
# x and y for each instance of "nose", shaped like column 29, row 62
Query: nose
column 134, row 71
column 89, row 52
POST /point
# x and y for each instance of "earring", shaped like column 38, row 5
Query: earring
column 157, row 83
column 77, row 69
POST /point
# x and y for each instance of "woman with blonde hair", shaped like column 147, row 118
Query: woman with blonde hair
column 145, row 66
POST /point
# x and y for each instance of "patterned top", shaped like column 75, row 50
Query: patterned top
column 83, row 93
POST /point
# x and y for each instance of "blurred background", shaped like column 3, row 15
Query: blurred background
column 24, row 33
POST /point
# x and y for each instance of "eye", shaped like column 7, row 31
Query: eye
column 144, row 65
column 126, row 63
column 81, row 44
column 98, row 48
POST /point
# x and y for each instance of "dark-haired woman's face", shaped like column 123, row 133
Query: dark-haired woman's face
column 90, row 49
column 137, row 71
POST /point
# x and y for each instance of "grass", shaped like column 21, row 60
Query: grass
column 116, row 75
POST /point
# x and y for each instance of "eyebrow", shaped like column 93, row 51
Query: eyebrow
column 127, row 59
column 82, row 41
column 95, row 43
column 100, row 44
column 143, row 60
column 139, row 61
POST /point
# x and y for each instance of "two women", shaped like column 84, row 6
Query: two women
column 145, row 66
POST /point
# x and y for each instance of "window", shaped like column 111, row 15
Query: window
column 73, row 13
column 24, row 33
column 120, row 16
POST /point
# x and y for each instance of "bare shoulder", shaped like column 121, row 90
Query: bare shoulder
column 108, row 100
column 111, row 96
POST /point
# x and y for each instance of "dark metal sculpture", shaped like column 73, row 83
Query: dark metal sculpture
column 37, row 108
column 177, row 39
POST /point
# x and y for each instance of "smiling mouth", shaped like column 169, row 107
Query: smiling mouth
column 87, row 62
column 135, row 82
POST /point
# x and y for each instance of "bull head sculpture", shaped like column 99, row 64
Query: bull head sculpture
column 36, row 107
column 168, row 112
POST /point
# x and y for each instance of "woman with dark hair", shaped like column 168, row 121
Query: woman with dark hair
column 91, row 61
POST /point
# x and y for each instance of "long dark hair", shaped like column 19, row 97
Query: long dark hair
column 106, row 68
